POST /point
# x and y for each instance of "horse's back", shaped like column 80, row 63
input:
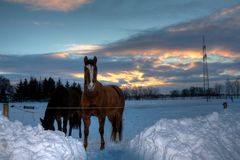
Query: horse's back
column 74, row 97
column 114, row 97
column 64, row 98
column 58, row 98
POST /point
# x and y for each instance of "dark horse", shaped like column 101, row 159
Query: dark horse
column 65, row 102
column 101, row 101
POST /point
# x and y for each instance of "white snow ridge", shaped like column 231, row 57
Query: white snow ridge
column 18, row 142
column 213, row 137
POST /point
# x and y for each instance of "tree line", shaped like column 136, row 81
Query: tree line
column 139, row 93
column 32, row 89
column 231, row 89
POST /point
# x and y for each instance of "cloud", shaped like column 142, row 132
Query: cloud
column 55, row 5
column 84, row 47
column 124, row 71
column 76, row 50
column 132, row 78
column 221, row 30
column 168, row 57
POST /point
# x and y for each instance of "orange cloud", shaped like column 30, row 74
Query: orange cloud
column 57, row 5
column 224, row 53
column 147, row 82
column 75, row 50
column 60, row 55
column 163, row 53
column 115, row 77
column 131, row 78
column 232, row 72
column 84, row 48
column 183, row 55
column 188, row 27
column 205, row 21
column 226, row 11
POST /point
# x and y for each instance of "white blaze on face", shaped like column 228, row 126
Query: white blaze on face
column 91, row 85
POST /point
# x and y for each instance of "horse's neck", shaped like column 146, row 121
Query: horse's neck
column 98, row 88
column 49, row 114
column 99, row 85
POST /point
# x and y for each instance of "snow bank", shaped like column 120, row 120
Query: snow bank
column 213, row 137
column 33, row 143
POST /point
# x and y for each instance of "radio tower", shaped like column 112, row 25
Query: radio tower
column 205, row 71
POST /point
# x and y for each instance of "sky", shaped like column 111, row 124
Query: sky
column 137, row 42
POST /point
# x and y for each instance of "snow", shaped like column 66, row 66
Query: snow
column 215, row 137
column 140, row 115
column 33, row 143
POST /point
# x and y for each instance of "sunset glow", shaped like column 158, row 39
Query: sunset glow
column 61, row 55
column 84, row 48
column 128, row 78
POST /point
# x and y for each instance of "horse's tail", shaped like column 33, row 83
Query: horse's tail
column 117, row 118
column 116, row 127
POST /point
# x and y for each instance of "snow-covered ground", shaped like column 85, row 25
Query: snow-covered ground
column 33, row 143
column 215, row 137
column 185, row 116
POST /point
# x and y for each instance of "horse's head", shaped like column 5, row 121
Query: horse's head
column 46, row 124
column 90, row 73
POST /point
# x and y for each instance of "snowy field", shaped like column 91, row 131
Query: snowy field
column 18, row 142
column 160, row 129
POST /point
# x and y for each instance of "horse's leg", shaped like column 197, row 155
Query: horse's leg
column 65, row 121
column 112, row 119
column 70, row 126
column 87, row 122
column 101, row 120
column 119, row 126
column 79, row 123
column 79, row 126
column 59, row 122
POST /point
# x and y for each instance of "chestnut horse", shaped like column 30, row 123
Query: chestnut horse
column 63, row 103
column 101, row 101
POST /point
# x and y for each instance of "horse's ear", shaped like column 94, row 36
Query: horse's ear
column 95, row 60
column 85, row 59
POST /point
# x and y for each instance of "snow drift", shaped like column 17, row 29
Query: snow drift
column 33, row 143
column 213, row 137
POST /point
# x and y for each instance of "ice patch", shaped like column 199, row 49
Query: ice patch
column 215, row 137
column 33, row 143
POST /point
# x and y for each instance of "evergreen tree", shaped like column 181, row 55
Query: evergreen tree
column 67, row 85
column 48, row 87
column 51, row 86
column 59, row 83
column 33, row 89
column 74, row 84
column 45, row 88
column 79, row 87
column 25, row 89
column 19, row 91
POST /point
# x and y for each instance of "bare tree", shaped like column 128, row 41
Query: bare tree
column 236, row 88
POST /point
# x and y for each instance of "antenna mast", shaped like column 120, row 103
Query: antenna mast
column 205, row 70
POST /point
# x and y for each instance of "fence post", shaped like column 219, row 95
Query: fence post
column 6, row 110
